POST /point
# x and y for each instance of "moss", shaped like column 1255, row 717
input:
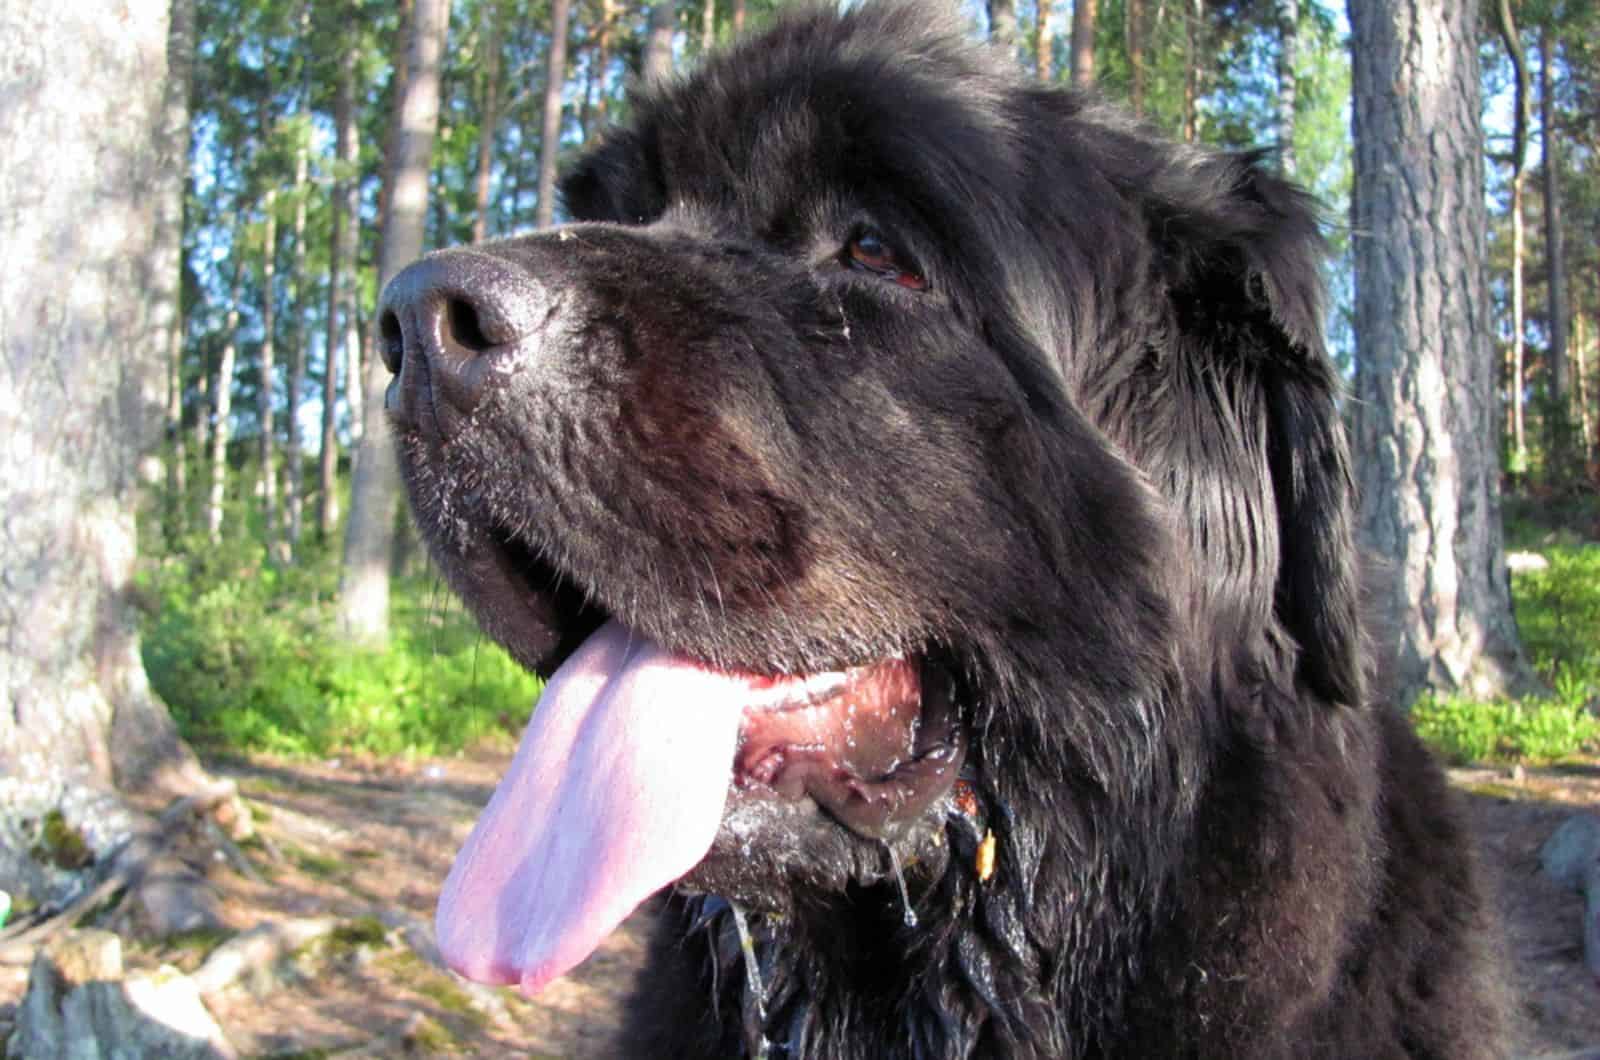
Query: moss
column 61, row 845
column 416, row 974
column 201, row 941
column 362, row 931
column 323, row 866
column 1492, row 789
column 431, row 1036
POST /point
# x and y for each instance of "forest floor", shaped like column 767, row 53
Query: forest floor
column 369, row 842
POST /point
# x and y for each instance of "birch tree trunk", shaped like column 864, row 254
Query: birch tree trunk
column 1288, row 46
column 341, row 263
column 267, row 364
column 86, row 176
column 375, row 484
column 488, row 125
column 555, row 73
column 294, row 448
column 1003, row 25
column 1519, row 151
column 657, row 62
column 1427, row 436
column 222, row 406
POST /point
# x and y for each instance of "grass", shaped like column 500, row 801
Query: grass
column 1558, row 612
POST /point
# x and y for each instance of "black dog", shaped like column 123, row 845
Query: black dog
column 928, row 494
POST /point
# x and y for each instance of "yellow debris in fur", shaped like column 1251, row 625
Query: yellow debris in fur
column 985, row 864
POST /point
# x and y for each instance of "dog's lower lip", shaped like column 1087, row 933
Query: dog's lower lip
column 865, row 744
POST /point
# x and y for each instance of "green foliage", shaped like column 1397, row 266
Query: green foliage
column 1558, row 610
column 245, row 655
column 1467, row 730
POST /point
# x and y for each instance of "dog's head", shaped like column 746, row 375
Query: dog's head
column 888, row 449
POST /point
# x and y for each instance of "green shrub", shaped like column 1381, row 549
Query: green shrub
column 1558, row 612
column 245, row 656
column 1466, row 730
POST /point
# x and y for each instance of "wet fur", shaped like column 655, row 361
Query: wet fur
column 1098, row 466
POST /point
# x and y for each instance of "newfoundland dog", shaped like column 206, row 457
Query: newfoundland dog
column 926, row 495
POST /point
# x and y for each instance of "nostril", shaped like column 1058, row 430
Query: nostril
column 391, row 341
column 464, row 328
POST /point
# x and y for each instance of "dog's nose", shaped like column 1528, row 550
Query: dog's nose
column 448, row 325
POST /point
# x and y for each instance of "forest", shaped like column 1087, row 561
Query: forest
column 279, row 614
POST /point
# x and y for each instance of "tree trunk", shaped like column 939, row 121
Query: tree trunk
column 341, row 263
column 1003, row 25
column 738, row 17
column 657, row 63
column 222, row 404
column 602, row 57
column 1427, row 437
column 1192, row 24
column 87, row 177
column 375, row 485
column 1288, row 46
column 166, row 277
column 708, row 25
column 1134, row 31
column 555, row 74
column 294, row 456
column 1519, row 151
column 1560, row 411
column 1044, row 43
column 1580, row 362
column 266, row 364
column 487, row 126
column 1083, row 43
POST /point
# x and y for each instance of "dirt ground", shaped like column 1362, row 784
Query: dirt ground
column 364, row 841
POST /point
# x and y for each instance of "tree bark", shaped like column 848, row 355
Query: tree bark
column 708, row 25
column 87, row 177
column 1192, row 23
column 657, row 63
column 222, row 404
column 555, row 74
column 341, row 263
column 488, row 124
column 293, row 449
column 1003, row 25
column 1044, row 43
column 1134, row 31
column 166, row 277
column 375, row 484
column 1288, row 46
column 1083, row 43
column 266, row 363
column 1519, row 151
column 1560, row 455
column 1427, row 437
column 595, row 111
column 738, row 17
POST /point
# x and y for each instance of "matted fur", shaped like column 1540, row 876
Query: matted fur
column 1096, row 471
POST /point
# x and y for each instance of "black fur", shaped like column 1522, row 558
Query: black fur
column 1095, row 473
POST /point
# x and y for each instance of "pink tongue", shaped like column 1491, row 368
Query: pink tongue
column 616, row 790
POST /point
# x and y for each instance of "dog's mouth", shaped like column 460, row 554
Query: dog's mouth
column 622, row 779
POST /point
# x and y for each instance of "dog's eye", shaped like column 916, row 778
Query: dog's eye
column 868, row 252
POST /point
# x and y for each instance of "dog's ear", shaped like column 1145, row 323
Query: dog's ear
column 1240, row 253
